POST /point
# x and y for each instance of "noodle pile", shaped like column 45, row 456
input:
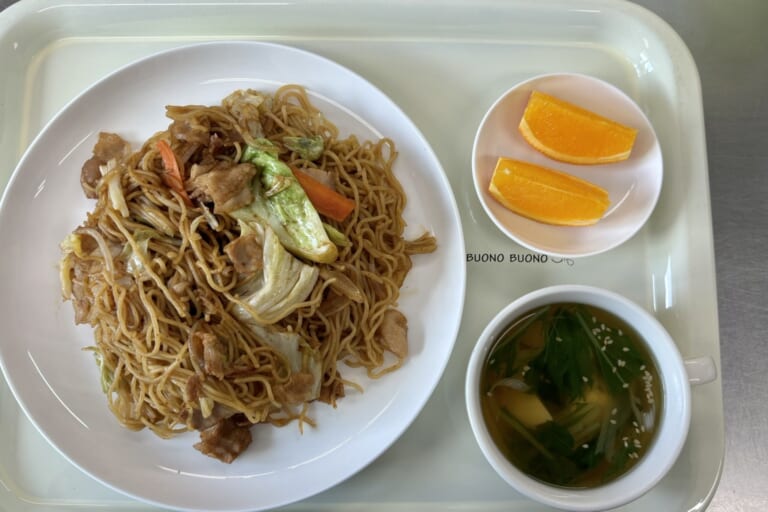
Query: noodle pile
column 148, row 270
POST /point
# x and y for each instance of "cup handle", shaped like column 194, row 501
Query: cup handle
column 700, row 370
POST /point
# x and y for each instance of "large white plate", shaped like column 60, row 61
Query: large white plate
column 56, row 383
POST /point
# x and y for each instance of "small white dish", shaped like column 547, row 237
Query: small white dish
column 677, row 376
column 633, row 185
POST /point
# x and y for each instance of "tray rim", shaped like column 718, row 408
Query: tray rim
column 675, row 47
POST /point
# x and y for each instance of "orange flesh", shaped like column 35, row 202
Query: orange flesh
column 569, row 133
column 546, row 195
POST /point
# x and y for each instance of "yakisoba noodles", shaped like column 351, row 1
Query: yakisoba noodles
column 217, row 297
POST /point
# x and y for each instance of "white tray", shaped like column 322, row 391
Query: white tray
column 444, row 63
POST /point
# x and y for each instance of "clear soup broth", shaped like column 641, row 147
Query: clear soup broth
column 571, row 395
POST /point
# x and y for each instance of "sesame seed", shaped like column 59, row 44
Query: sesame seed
column 625, row 385
column 613, row 422
column 614, row 411
column 594, row 320
column 642, row 368
column 558, row 338
column 625, row 349
column 585, row 446
column 602, row 327
column 584, row 378
column 621, row 363
column 621, row 333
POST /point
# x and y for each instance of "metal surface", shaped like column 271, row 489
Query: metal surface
column 729, row 43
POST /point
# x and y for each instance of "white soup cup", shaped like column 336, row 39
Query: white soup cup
column 676, row 375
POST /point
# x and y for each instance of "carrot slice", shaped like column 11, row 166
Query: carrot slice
column 172, row 175
column 327, row 201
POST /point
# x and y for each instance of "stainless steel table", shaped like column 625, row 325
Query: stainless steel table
column 729, row 42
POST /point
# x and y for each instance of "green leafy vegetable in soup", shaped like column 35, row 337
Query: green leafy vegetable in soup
column 570, row 395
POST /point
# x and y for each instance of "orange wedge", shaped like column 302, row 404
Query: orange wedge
column 569, row 133
column 546, row 195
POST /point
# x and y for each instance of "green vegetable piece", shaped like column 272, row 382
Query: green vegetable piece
column 504, row 354
column 555, row 438
column 265, row 145
column 566, row 359
column 106, row 375
column 525, row 433
column 308, row 148
column 336, row 236
column 281, row 202
column 583, row 420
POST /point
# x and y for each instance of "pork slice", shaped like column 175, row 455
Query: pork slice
column 183, row 129
column 109, row 146
column 219, row 412
column 186, row 151
column 193, row 389
column 393, row 333
column 196, row 170
column 245, row 253
column 225, row 440
column 90, row 176
column 209, row 353
column 296, row 390
column 214, row 356
column 228, row 187
column 330, row 393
